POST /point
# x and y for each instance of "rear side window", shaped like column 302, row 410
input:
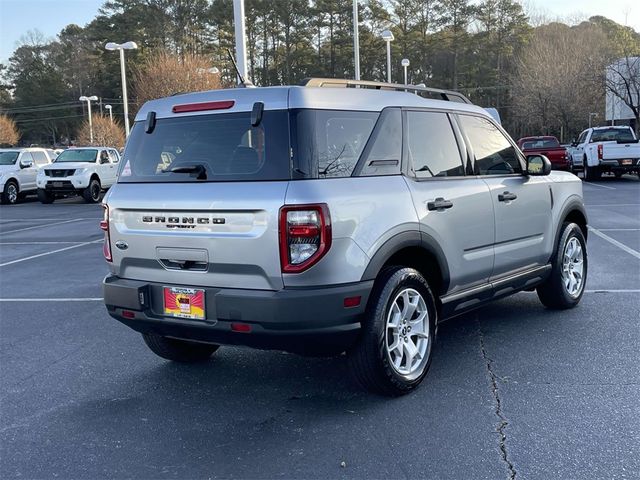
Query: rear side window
column 113, row 156
column 432, row 149
column 494, row 153
column 225, row 145
column 328, row 143
column 40, row 158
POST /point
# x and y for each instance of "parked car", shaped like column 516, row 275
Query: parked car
column 547, row 146
column 322, row 220
column 613, row 149
column 18, row 170
column 86, row 171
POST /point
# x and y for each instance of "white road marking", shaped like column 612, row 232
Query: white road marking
column 619, row 229
column 48, row 253
column 615, row 205
column 9, row 220
column 613, row 241
column 37, row 243
column 41, row 226
column 51, row 299
column 601, row 186
column 611, row 291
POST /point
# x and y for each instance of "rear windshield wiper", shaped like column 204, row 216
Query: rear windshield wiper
column 198, row 170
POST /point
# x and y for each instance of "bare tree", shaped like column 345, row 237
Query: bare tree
column 165, row 74
column 9, row 134
column 105, row 133
column 623, row 82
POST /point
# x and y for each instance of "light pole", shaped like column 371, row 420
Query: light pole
column 405, row 63
column 122, row 47
column 592, row 115
column 90, row 99
column 387, row 36
column 241, row 42
column 356, row 41
column 110, row 108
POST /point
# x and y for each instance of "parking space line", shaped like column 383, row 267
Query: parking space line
column 601, row 186
column 619, row 229
column 37, row 243
column 615, row 205
column 49, row 253
column 51, row 299
column 613, row 241
column 8, row 220
column 41, row 226
column 611, row 291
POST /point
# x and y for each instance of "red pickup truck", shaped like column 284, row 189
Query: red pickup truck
column 547, row 146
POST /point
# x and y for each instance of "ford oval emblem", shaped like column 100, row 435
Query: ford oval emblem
column 122, row 245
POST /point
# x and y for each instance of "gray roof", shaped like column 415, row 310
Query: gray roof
column 280, row 98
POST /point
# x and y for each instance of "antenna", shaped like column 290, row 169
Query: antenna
column 243, row 82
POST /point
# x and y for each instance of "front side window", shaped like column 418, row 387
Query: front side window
column 212, row 148
column 494, row 154
column 78, row 155
column 8, row 158
column 328, row 143
column 432, row 148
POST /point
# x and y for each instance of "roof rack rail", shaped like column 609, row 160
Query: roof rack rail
column 448, row 95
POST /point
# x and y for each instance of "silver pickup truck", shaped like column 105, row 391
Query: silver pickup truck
column 326, row 220
column 599, row 150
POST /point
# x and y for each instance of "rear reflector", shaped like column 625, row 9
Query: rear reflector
column 199, row 107
column 350, row 302
column 241, row 327
column 128, row 314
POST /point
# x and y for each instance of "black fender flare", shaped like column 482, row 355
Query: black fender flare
column 572, row 204
column 400, row 241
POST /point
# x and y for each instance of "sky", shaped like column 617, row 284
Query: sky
column 49, row 16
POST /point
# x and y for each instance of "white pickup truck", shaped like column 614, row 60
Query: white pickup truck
column 606, row 149
column 85, row 171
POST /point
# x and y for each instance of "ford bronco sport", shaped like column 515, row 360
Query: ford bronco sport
column 326, row 220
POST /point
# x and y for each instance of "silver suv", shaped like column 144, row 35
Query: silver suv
column 322, row 220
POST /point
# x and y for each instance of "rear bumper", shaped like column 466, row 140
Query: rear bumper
column 297, row 320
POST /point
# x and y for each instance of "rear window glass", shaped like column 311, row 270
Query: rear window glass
column 540, row 143
column 612, row 134
column 225, row 145
column 76, row 155
column 330, row 142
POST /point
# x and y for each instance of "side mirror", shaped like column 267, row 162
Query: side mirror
column 26, row 163
column 538, row 165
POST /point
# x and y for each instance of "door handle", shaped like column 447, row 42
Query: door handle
column 507, row 196
column 439, row 204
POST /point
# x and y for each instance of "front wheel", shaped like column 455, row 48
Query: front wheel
column 179, row 350
column 91, row 194
column 394, row 351
column 565, row 286
column 45, row 197
column 10, row 193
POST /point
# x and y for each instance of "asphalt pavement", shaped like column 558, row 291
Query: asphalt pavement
column 514, row 391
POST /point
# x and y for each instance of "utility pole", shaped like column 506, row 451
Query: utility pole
column 241, row 45
column 356, row 41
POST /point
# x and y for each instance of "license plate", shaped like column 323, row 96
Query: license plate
column 57, row 184
column 627, row 162
column 184, row 303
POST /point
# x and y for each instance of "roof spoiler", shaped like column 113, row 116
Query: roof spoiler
column 448, row 95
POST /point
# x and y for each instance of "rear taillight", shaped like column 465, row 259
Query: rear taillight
column 600, row 148
column 305, row 236
column 104, row 225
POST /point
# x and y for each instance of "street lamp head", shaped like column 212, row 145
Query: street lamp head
column 84, row 99
column 121, row 46
column 108, row 107
column 405, row 62
column 93, row 98
column 387, row 36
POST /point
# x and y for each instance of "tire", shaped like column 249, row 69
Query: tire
column 178, row 350
column 558, row 292
column 592, row 173
column 45, row 197
column 373, row 361
column 618, row 174
column 10, row 193
column 91, row 194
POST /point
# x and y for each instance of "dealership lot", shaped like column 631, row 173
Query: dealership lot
column 514, row 390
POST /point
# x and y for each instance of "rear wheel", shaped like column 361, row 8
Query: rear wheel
column 394, row 352
column 618, row 174
column 565, row 286
column 178, row 350
column 592, row 173
column 45, row 197
column 10, row 193
column 91, row 194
